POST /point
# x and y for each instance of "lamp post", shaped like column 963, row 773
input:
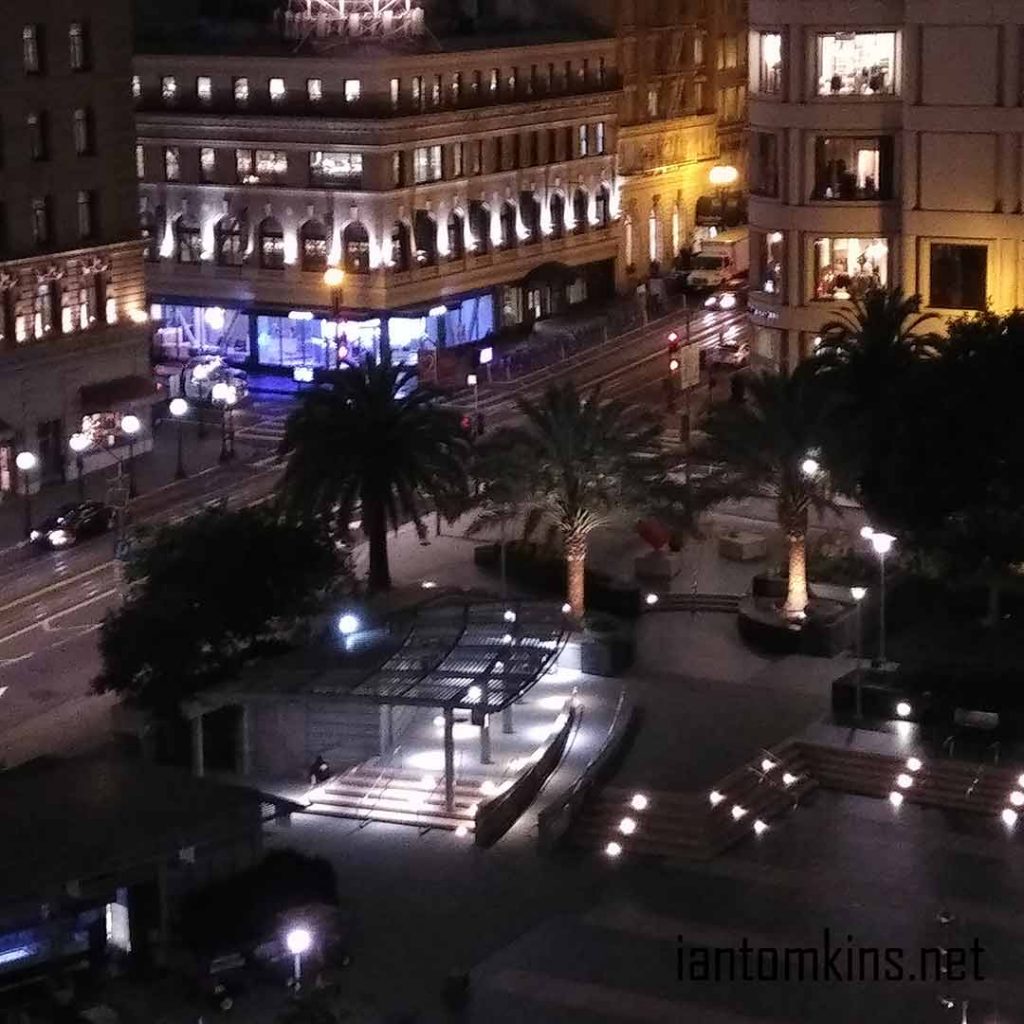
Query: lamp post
column 225, row 396
column 858, row 594
column 882, row 544
column 178, row 408
column 298, row 941
column 334, row 279
column 80, row 444
column 131, row 425
column 26, row 461
column 723, row 177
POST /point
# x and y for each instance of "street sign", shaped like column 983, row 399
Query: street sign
column 689, row 369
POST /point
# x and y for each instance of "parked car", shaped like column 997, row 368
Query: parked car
column 730, row 353
column 72, row 523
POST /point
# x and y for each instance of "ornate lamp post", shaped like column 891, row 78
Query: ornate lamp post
column 26, row 461
column 882, row 544
column 298, row 941
column 131, row 425
column 334, row 279
column 80, row 444
column 858, row 594
column 178, row 408
column 225, row 395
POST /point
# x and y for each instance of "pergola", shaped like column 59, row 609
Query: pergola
column 479, row 658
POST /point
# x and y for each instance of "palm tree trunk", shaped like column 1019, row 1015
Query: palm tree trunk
column 575, row 567
column 796, row 595
column 376, row 526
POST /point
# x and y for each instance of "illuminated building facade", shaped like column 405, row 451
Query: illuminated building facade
column 464, row 186
column 73, row 354
column 885, row 149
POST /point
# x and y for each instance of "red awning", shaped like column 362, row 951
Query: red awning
column 119, row 393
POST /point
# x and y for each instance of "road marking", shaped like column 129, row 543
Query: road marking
column 56, row 615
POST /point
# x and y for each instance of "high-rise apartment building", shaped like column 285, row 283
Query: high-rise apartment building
column 73, row 351
column 886, row 147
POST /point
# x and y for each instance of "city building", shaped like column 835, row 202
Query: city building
column 885, row 149
column 463, row 182
column 74, row 356
column 682, row 112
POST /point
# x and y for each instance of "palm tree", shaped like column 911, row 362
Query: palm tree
column 771, row 440
column 577, row 463
column 863, row 361
column 372, row 445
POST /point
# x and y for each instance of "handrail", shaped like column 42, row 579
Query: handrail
column 370, row 803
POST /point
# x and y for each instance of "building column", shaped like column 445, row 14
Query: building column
column 387, row 729
column 245, row 741
column 506, row 721
column 485, row 731
column 198, row 763
column 449, row 760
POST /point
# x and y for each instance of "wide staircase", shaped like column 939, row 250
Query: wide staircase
column 374, row 792
column 698, row 826
column 957, row 785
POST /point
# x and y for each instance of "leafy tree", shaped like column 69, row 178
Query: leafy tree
column 866, row 357
column 370, row 444
column 205, row 596
column 766, row 441
column 576, row 463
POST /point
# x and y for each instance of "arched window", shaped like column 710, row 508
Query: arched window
column 188, row 240
column 355, row 242
column 480, row 225
column 313, row 246
column 456, row 236
column 271, row 244
column 603, row 201
column 400, row 246
column 509, row 233
column 557, row 215
column 529, row 210
column 580, row 212
column 229, row 250
column 425, row 232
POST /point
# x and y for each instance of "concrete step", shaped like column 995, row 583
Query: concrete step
column 393, row 817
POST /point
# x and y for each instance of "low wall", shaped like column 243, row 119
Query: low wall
column 555, row 820
column 497, row 815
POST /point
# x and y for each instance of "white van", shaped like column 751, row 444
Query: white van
column 720, row 260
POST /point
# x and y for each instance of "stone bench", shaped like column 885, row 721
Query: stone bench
column 741, row 546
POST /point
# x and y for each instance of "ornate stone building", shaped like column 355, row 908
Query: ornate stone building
column 463, row 183
column 73, row 350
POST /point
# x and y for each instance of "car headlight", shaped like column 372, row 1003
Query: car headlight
column 58, row 538
column 711, row 301
column 727, row 301
column 34, row 535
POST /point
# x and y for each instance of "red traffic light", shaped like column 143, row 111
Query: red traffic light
column 673, row 337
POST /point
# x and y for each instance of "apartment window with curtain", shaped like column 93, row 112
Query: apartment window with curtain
column 396, row 93
column 168, row 88
column 599, row 139
column 314, row 90
column 435, row 91
column 458, row 160
column 492, row 87
column 81, row 128
column 456, row 87
column 38, row 141
column 78, row 46
column 353, row 90
column 278, row 91
column 427, row 164
column 240, row 90
column 582, row 140
column 172, row 163
column 31, row 49
column 417, row 92
column 204, row 89
column 41, row 220
column 207, row 163
column 86, row 214
column 136, row 87
column 140, row 162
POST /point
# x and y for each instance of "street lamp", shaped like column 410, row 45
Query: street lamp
column 178, row 408
column 26, row 462
column 723, row 177
column 298, row 941
column 80, row 444
column 334, row 279
column 131, row 425
column 225, row 395
column 810, row 467
column 858, row 594
column 882, row 544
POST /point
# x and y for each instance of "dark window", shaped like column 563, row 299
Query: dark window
column 38, row 141
column 189, row 242
column 32, row 49
column 355, row 242
column 82, row 130
column 849, row 169
column 959, row 276
column 313, row 246
column 271, row 244
column 228, row 242
column 41, row 221
column 764, row 164
column 78, row 46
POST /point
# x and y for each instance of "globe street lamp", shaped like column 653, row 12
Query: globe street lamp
column 858, row 594
column 810, row 467
column 723, row 177
column 882, row 544
column 334, row 279
column 225, row 395
column 178, row 408
column 26, row 462
column 298, row 941
column 80, row 444
column 131, row 425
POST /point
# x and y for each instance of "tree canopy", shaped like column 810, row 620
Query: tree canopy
column 206, row 595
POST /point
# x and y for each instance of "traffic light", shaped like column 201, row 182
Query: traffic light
column 673, row 353
column 673, row 365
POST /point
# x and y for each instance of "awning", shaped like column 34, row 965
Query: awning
column 119, row 393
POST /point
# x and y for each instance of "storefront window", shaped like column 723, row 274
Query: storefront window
column 769, row 80
column 847, row 267
column 857, row 64
column 850, row 169
column 295, row 340
column 200, row 330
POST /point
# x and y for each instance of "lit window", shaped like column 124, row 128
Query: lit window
column 78, row 51
column 652, row 101
column 772, row 262
column 204, row 89
column 599, row 140
column 770, row 63
column 435, row 92
column 260, row 164
column 493, row 85
column 846, row 268
column 314, row 90
column 458, row 168
column 241, row 91
column 85, row 215
column 169, row 88
column 336, row 168
column 277, row 89
column 857, row 64
column 396, row 93
column 140, row 162
column 353, row 90
column 583, row 140
column 427, row 164
column 456, row 86
column 30, row 49
column 417, row 92
column 172, row 163
column 136, row 87
column 81, row 130
column 848, row 168
column 513, row 81
column 207, row 163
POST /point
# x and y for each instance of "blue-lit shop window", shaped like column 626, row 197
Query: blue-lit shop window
column 295, row 341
